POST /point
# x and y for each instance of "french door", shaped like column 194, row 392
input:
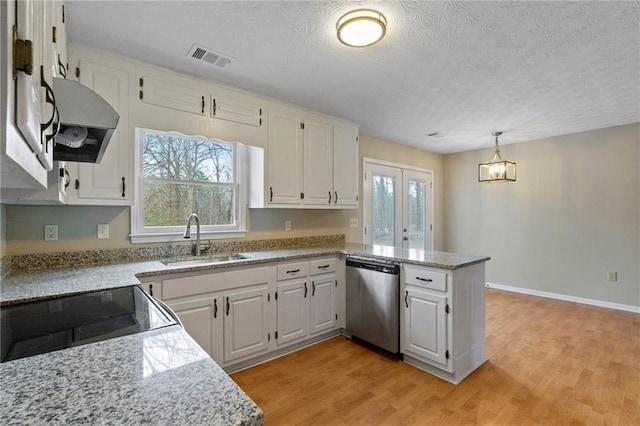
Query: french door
column 397, row 206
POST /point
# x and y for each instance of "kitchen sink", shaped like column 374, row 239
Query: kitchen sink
column 206, row 260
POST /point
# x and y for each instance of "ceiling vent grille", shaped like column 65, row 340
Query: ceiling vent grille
column 205, row 54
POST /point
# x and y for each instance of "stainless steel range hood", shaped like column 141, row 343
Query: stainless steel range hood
column 87, row 122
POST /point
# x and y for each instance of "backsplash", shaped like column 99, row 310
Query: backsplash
column 101, row 257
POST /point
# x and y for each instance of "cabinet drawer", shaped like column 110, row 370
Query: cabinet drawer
column 424, row 278
column 293, row 270
column 322, row 266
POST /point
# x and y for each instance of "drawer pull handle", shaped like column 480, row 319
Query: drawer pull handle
column 406, row 298
column 424, row 279
column 323, row 266
column 293, row 271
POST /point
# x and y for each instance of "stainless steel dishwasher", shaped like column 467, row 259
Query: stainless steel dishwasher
column 373, row 302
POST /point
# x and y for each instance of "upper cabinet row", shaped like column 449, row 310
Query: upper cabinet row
column 309, row 160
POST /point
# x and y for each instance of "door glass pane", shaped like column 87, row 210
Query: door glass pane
column 383, row 214
column 417, row 226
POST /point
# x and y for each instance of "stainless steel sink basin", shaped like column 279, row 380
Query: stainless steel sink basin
column 206, row 260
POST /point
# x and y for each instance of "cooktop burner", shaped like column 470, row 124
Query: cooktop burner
column 53, row 324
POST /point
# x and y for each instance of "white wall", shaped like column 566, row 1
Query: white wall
column 572, row 216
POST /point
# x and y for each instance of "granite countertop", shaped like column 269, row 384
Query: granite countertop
column 159, row 377
column 29, row 285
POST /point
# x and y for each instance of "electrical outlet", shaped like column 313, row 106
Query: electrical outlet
column 353, row 222
column 612, row 276
column 51, row 232
column 287, row 225
column 103, row 231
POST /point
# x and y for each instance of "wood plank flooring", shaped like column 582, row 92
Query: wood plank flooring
column 550, row 362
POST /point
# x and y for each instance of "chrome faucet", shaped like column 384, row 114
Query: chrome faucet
column 187, row 232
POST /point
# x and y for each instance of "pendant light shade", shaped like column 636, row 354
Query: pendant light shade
column 497, row 170
column 361, row 28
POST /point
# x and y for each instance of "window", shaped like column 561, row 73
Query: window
column 177, row 175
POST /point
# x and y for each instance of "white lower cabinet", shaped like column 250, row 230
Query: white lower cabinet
column 425, row 322
column 246, row 322
column 292, row 312
column 322, row 311
column 442, row 320
column 245, row 314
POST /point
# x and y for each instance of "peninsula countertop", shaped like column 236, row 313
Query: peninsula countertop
column 29, row 285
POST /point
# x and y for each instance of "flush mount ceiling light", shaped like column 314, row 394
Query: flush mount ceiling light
column 497, row 170
column 361, row 28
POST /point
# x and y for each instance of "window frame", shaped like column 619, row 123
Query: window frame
column 157, row 234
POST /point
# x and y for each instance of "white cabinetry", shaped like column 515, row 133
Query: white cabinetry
column 246, row 322
column 284, row 181
column 109, row 182
column 324, row 283
column 312, row 162
column 443, row 320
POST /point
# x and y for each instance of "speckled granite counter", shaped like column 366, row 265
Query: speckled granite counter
column 161, row 377
column 25, row 285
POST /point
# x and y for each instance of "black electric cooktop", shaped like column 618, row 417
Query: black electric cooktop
column 49, row 325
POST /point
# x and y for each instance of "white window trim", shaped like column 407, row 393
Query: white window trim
column 141, row 234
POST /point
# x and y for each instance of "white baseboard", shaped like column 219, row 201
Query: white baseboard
column 618, row 306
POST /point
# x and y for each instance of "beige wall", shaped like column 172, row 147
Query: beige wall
column 384, row 150
column 77, row 226
column 3, row 231
column 572, row 216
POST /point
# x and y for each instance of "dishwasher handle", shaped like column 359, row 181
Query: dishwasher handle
column 373, row 265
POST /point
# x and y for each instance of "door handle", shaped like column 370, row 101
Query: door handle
column 305, row 290
column 215, row 308
column 313, row 288
column 227, row 306
column 406, row 298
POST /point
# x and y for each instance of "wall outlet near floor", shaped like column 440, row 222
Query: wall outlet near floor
column 353, row 222
column 612, row 276
column 51, row 232
column 103, row 231
column 287, row 225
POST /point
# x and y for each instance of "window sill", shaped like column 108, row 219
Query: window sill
column 177, row 237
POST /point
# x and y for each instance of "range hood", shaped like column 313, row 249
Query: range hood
column 87, row 122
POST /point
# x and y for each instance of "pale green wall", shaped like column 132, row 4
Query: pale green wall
column 371, row 147
column 572, row 216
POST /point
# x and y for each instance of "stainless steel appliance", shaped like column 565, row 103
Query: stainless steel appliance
column 373, row 302
column 62, row 322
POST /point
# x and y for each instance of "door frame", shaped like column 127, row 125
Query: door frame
column 367, row 199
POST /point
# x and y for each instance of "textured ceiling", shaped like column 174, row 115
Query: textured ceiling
column 464, row 69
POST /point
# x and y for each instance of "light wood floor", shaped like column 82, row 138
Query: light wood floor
column 550, row 362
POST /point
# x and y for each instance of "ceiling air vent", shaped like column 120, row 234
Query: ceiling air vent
column 208, row 55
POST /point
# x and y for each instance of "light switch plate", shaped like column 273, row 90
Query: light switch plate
column 353, row 222
column 103, row 231
column 287, row 225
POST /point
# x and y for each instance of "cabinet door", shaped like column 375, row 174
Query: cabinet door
column 201, row 318
column 246, row 320
column 345, row 166
column 318, row 163
column 425, row 325
column 284, row 157
column 60, row 42
column 170, row 95
column 292, row 311
column 323, row 304
column 29, row 26
column 238, row 117
column 109, row 182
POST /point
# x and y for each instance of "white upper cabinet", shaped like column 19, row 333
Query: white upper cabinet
column 345, row 166
column 318, row 162
column 238, row 117
column 303, row 158
column 109, row 182
column 170, row 94
column 284, row 182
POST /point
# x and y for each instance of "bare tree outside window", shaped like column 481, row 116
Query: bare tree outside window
column 185, row 175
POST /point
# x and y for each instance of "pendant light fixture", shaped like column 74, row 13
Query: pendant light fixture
column 497, row 170
column 361, row 28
